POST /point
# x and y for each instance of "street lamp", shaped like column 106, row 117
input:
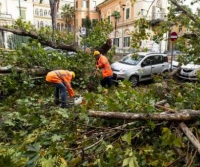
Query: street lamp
column 123, row 7
column 20, row 9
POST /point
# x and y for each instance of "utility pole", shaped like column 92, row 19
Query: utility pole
column 75, row 22
column 123, row 7
column 19, row 8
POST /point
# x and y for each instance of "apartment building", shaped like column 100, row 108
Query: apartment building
column 42, row 14
column 29, row 10
column 154, row 11
column 84, row 9
column 39, row 15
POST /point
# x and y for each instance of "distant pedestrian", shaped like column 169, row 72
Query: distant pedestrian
column 103, row 64
column 62, row 82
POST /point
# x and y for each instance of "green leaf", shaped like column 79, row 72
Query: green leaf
column 127, row 137
column 126, row 161
column 47, row 162
column 178, row 142
column 56, row 137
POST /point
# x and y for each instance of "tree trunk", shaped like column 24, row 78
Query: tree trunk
column 182, row 115
column 54, row 9
column 39, row 71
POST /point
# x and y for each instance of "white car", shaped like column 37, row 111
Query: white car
column 189, row 71
column 140, row 66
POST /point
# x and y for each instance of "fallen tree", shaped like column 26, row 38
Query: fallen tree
column 182, row 115
column 36, row 71
column 44, row 41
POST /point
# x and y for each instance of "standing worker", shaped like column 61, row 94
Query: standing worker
column 103, row 64
column 62, row 81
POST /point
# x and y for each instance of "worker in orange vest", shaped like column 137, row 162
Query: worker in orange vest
column 62, row 81
column 103, row 64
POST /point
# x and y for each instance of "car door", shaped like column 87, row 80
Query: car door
column 146, row 70
column 158, row 64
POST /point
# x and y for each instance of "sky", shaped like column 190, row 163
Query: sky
column 193, row 7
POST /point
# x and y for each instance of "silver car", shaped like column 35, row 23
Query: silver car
column 189, row 71
column 140, row 66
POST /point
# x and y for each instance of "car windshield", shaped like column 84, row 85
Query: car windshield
column 132, row 59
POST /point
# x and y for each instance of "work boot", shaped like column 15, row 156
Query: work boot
column 64, row 106
column 57, row 102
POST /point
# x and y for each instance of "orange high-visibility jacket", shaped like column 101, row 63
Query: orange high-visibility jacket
column 61, row 76
column 104, row 65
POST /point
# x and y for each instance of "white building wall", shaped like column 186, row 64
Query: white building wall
column 157, row 10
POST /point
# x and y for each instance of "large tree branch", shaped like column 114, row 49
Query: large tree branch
column 183, row 115
column 43, row 41
column 192, row 17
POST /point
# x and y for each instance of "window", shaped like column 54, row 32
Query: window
column 58, row 26
column 94, row 21
column 83, row 22
column 126, row 41
column 76, row 4
column 85, row 4
column 23, row 14
column 41, row 24
column 127, row 13
column 41, row 12
column 94, row 4
column 180, row 29
column 159, row 4
column 158, row 59
column 149, row 61
column 108, row 19
column 116, row 42
column 49, row 13
column 36, row 12
column 45, row 12
column 36, row 24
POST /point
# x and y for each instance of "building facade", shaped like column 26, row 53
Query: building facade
column 84, row 9
column 29, row 10
column 129, row 11
column 39, row 15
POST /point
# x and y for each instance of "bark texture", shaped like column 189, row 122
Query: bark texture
column 183, row 115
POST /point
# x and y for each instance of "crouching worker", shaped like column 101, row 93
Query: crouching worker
column 62, row 82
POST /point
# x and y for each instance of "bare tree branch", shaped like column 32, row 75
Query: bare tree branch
column 192, row 17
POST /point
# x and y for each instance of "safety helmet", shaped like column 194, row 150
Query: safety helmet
column 73, row 74
column 96, row 53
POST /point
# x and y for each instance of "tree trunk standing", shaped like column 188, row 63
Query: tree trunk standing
column 54, row 4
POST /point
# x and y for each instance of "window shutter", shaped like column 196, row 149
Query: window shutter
column 23, row 14
column 153, row 12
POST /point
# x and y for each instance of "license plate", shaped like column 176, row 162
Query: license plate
column 185, row 74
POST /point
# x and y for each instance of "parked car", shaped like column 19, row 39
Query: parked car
column 64, row 52
column 189, row 71
column 140, row 66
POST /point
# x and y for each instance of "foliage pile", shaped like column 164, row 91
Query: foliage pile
column 35, row 132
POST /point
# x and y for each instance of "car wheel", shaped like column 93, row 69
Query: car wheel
column 134, row 80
